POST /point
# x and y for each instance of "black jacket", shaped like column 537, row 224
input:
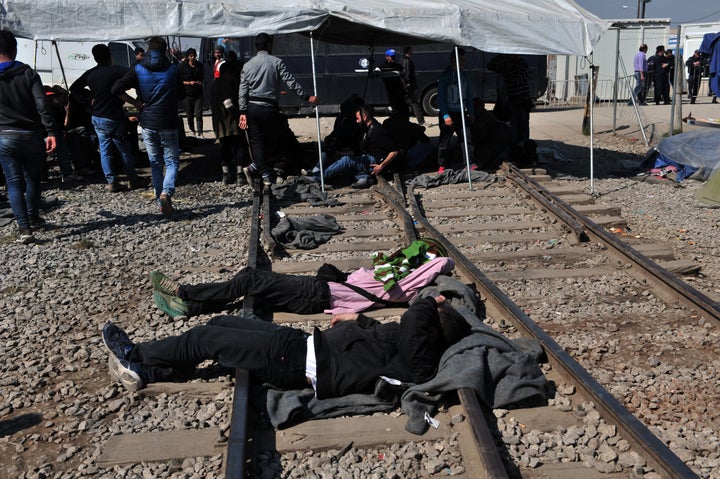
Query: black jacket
column 100, row 79
column 353, row 354
column 23, row 105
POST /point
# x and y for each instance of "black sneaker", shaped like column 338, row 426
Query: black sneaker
column 38, row 224
column 250, row 173
column 25, row 236
column 130, row 375
column 117, row 341
column 166, row 207
column 116, row 187
column 364, row 182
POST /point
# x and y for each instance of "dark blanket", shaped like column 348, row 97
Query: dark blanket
column 449, row 177
column 305, row 233
column 297, row 191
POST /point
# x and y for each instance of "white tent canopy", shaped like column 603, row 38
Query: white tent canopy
column 509, row 26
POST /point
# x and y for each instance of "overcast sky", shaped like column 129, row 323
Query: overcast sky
column 679, row 11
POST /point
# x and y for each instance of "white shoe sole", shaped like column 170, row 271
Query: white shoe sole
column 127, row 377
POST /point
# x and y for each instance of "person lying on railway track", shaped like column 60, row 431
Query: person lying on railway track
column 347, row 358
column 294, row 293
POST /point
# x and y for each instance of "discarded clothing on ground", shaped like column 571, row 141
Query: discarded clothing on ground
column 305, row 233
column 693, row 153
column 449, row 177
column 286, row 408
column 6, row 216
column 297, row 191
column 503, row 373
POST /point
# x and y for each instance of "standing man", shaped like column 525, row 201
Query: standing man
column 159, row 86
column 193, row 74
column 514, row 72
column 261, row 81
column 661, row 69
column 671, row 67
column 392, row 76
column 640, row 65
column 219, row 55
column 108, row 116
column 450, row 120
column 139, row 55
column 27, row 134
column 694, row 66
column 410, row 80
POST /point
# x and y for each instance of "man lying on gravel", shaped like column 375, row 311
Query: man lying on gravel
column 347, row 358
column 295, row 294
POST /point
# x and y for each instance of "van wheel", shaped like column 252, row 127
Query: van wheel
column 429, row 101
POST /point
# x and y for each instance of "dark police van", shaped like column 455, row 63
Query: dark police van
column 342, row 70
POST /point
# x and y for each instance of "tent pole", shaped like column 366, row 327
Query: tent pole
column 317, row 115
column 592, row 132
column 615, row 82
column 62, row 69
column 462, row 115
column 35, row 56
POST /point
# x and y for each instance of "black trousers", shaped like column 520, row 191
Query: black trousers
column 272, row 353
column 269, row 131
column 193, row 110
column 662, row 88
column 233, row 151
column 693, row 86
column 296, row 294
column 446, row 133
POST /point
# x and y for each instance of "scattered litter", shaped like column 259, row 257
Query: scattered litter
column 434, row 423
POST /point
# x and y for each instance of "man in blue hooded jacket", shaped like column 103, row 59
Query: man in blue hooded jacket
column 159, row 86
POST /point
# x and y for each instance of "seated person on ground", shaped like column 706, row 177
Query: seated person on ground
column 415, row 146
column 378, row 150
column 295, row 294
column 492, row 138
column 346, row 359
column 347, row 134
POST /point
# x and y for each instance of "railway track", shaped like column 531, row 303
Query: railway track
column 511, row 239
column 613, row 324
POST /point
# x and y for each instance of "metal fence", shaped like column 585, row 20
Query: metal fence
column 573, row 93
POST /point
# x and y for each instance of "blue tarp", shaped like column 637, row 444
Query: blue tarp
column 694, row 151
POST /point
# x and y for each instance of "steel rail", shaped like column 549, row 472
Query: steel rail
column 485, row 447
column 668, row 286
column 500, row 306
column 546, row 200
column 237, row 440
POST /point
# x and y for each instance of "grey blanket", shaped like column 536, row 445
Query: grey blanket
column 285, row 408
column 305, row 233
column 297, row 190
column 449, row 177
column 501, row 371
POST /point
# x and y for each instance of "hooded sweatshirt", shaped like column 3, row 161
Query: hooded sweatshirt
column 159, row 86
column 23, row 106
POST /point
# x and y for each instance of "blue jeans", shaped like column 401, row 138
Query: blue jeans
column 639, row 88
column 350, row 165
column 22, row 156
column 162, row 146
column 112, row 132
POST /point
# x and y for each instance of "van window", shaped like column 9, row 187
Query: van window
column 121, row 54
